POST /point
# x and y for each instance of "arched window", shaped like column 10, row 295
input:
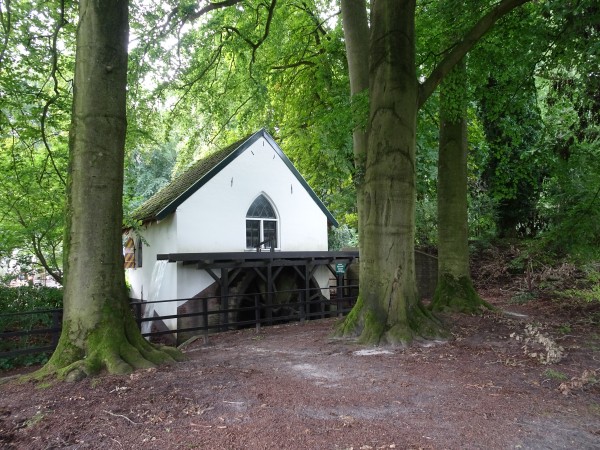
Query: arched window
column 261, row 224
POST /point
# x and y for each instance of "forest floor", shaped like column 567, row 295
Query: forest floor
column 295, row 387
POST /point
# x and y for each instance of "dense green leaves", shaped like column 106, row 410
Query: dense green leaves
column 36, row 61
column 216, row 77
column 202, row 75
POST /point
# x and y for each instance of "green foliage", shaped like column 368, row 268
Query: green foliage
column 591, row 294
column 522, row 297
column 148, row 168
column 237, row 69
column 36, row 66
column 569, row 84
column 570, row 200
column 426, row 222
column 482, row 215
column 342, row 237
column 29, row 298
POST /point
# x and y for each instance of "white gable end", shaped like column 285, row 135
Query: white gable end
column 213, row 219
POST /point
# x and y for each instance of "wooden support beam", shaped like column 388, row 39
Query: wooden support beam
column 224, row 299
column 213, row 275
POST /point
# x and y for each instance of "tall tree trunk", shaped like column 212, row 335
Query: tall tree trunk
column 99, row 331
column 356, row 37
column 454, row 290
column 388, row 309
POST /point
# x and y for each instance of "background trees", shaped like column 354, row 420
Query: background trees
column 36, row 60
column 279, row 65
column 202, row 74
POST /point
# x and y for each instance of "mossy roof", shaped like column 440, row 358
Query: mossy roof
column 166, row 201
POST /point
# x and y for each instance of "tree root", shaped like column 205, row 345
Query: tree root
column 457, row 295
column 105, row 349
column 373, row 327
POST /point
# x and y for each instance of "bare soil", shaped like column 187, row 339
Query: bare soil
column 295, row 387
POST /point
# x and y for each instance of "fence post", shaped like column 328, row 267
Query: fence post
column 302, row 306
column 205, row 318
column 138, row 314
column 56, row 324
column 339, row 293
column 323, row 305
column 257, row 312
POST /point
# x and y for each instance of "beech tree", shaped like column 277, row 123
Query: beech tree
column 356, row 34
column 99, row 331
column 388, row 309
column 454, row 290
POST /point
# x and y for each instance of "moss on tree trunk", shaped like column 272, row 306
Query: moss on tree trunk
column 115, row 345
column 457, row 295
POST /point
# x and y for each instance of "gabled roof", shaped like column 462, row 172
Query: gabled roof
column 166, row 201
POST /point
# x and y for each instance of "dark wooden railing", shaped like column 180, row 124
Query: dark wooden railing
column 38, row 331
column 29, row 332
column 256, row 313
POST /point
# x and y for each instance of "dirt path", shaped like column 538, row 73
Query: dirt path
column 294, row 387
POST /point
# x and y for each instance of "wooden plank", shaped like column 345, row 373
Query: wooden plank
column 255, row 256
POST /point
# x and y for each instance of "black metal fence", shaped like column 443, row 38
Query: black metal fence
column 38, row 331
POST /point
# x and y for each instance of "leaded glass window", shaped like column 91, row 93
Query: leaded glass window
column 270, row 232
column 261, row 224
column 261, row 208
column 252, row 233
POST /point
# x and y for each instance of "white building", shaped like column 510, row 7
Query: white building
column 234, row 222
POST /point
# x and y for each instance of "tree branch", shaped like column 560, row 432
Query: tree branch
column 54, row 53
column 464, row 46
column 37, row 249
column 292, row 65
column 6, row 27
column 235, row 112
column 210, row 7
column 267, row 28
column 254, row 46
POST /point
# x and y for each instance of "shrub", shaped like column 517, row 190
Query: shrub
column 28, row 298
column 25, row 299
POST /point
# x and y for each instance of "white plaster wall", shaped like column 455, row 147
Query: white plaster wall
column 322, row 276
column 191, row 281
column 160, row 238
column 213, row 219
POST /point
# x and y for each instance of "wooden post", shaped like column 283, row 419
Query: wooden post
column 270, row 294
column 138, row 314
column 302, row 306
column 257, row 311
column 224, row 299
column 205, row 318
column 339, row 292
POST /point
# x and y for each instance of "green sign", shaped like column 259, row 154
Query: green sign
column 340, row 268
